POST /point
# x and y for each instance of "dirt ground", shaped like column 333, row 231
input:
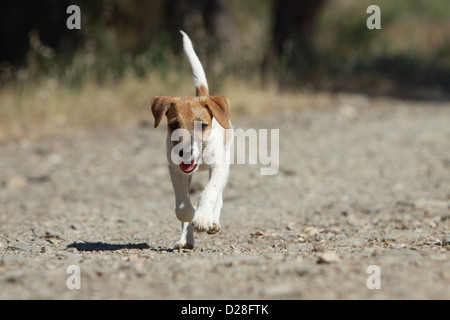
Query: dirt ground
column 362, row 182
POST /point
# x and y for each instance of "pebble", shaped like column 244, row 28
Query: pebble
column 328, row 257
column 446, row 241
column 24, row 248
column 299, row 247
column 16, row 182
column 352, row 242
column 403, row 236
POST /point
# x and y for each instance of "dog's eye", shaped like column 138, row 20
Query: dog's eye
column 174, row 125
column 204, row 126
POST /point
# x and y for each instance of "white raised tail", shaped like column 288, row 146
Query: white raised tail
column 201, row 85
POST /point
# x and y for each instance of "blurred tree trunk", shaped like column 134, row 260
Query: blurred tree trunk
column 293, row 29
column 46, row 18
column 209, row 21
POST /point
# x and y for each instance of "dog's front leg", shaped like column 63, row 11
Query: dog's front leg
column 187, row 237
column 183, row 208
column 206, row 217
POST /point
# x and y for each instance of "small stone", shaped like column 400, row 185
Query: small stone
column 354, row 221
column 311, row 231
column 328, row 257
column 290, row 226
column 23, row 247
column 263, row 234
column 16, row 182
column 403, row 236
column 299, row 247
column 428, row 203
column 72, row 250
column 446, row 241
column 352, row 243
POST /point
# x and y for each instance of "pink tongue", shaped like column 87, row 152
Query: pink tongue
column 187, row 166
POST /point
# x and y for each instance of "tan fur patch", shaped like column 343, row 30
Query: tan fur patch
column 186, row 111
column 183, row 112
column 202, row 91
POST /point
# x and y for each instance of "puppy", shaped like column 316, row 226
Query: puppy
column 197, row 139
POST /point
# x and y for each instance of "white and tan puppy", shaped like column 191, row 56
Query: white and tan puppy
column 197, row 139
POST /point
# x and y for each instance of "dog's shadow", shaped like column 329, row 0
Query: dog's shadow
column 101, row 246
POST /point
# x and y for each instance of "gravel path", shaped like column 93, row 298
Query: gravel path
column 362, row 182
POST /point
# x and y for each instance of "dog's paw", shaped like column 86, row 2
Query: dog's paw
column 202, row 223
column 215, row 228
column 183, row 244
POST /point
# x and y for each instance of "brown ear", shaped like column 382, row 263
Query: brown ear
column 220, row 109
column 160, row 105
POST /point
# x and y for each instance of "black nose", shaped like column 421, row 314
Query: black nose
column 181, row 153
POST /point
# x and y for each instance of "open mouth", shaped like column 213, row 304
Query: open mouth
column 188, row 167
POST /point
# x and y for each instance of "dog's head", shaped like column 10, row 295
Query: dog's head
column 190, row 114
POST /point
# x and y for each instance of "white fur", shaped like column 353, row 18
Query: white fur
column 215, row 158
column 196, row 65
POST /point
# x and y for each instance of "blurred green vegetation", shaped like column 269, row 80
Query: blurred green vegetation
column 129, row 50
column 411, row 50
column 121, row 38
